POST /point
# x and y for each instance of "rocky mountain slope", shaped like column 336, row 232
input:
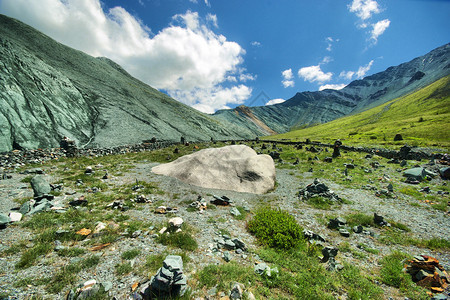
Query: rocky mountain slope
column 307, row 108
column 48, row 90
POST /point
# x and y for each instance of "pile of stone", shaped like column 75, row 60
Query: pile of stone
column 169, row 281
column 311, row 236
column 416, row 175
column 428, row 273
column 222, row 201
column 200, row 204
column 318, row 189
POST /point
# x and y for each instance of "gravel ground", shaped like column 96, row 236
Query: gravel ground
column 424, row 223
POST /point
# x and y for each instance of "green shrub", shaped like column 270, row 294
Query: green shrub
column 276, row 228
column 130, row 254
column 182, row 240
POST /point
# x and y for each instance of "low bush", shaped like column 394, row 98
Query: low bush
column 276, row 228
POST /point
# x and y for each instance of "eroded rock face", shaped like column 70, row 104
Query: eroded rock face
column 237, row 168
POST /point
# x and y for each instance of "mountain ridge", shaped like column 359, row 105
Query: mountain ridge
column 308, row 108
column 50, row 90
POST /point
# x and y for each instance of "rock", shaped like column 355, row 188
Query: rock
column 344, row 232
column 418, row 173
column 88, row 170
column 237, row 291
column 15, row 216
column 239, row 244
column 250, row 296
column 358, row 229
column 169, row 281
column 175, row 223
column 445, row 172
column 4, row 220
column 329, row 252
column 403, row 163
column 25, row 208
column 317, row 189
column 226, row 256
column 237, row 168
column 336, row 150
column 308, row 234
column 398, row 137
column 439, row 297
column 40, row 186
column 379, row 220
column 235, row 212
column 224, row 200
column 336, row 223
column 42, row 206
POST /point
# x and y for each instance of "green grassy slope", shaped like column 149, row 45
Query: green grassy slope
column 422, row 118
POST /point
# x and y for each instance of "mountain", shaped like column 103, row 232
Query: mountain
column 309, row 108
column 48, row 90
column 421, row 118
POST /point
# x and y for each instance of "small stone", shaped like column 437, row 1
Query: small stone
column 344, row 232
column 236, row 291
column 4, row 220
column 358, row 229
column 88, row 170
column 226, row 256
column 175, row 223
column 235, row 212
column 329, row 252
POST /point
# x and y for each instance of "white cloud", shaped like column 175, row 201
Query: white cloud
column 364, row 9
column 347, row 74
column 247, row 77
column 213, row 19
column 329, row 40
column 314, row 74
column 379, row 28
column 256, row 44
column 362, row 71
column 185, row 59
column 287, row 78
column 326, row 60
column 218, row 97
column 207, row 3
column 275, row 101
column 332, row 87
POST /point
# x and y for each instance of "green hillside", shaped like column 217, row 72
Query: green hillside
column 422, row 118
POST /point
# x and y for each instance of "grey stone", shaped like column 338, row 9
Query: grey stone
column 239, row 244
column 329, row 252
column 229, row 245
column 40, row 186
column 358, row 229
column 423, row 274
column 42, row 206
column 439, row 297
column 235, row 212
column 260, row 268
column 25, row 208
column 344, row 232
column 226, row 256
column 107, row 285
column 4, row 220
column 236, row 291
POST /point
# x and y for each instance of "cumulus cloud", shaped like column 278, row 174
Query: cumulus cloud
column 379, row 28
column 287, row 78
column 186, row 59
column 364, row 9
column 332, row 87
column 362, row 71
column 275, row 101
column 314, row 74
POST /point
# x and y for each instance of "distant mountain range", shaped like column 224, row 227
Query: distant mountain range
column 48, row 90
column 309, row 108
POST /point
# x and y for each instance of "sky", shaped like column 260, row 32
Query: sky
column 218, row 54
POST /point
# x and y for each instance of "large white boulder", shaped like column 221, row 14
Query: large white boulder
column 236, row 168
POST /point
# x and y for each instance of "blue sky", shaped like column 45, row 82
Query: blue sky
column 214, row 54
